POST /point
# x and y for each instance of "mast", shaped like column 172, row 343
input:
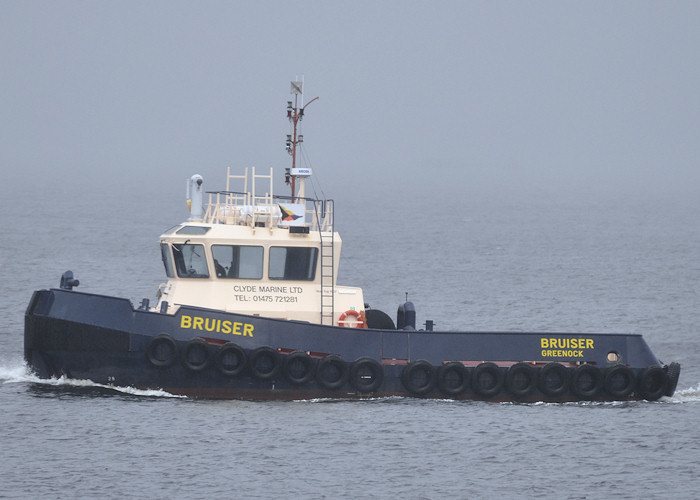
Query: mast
column 295, row 113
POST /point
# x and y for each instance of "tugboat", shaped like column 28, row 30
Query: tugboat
column 252, row 310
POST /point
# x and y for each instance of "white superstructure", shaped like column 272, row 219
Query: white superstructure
column 252, row 252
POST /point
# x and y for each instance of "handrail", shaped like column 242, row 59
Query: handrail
column 248, row 208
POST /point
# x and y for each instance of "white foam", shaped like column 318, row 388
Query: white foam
column 21, row 374
column 690, row 395
column 13, row 373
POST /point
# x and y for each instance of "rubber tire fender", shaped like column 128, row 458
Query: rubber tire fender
column 262, row 353
column 298, row 359
column 515, row 373
column 161, row 351
column 227, row 369
column 673, row 371
column 195, row 346
column 618, row 372
column 578, row 381
column 358, row 375
column 335, row 363
column 414, row 369
column 491, row 370
column 652, row 383
column 445, row 373
column 379, row 319
column 557, row 370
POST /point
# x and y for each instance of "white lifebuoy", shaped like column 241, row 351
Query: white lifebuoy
column 355, row 314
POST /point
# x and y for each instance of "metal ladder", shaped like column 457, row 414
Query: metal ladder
column 326, row 234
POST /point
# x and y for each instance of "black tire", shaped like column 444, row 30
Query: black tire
column 332, row 372
column 264, row 363
column 673, row 371
column 366, row 375
column 230, row 359
column 521, row 380
column 453, row 378
column 652, row 383
column 379, row 319
column 586, row 381
column 196, row 355
column 487, row 379
column 553, row 379
column 298, row 368
column 619, row 381
column 161, row 351
column 419, row 377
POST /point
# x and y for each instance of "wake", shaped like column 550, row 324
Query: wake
column 20, row 374
column 690, row 395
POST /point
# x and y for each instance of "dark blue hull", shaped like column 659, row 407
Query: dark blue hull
column 212, row 354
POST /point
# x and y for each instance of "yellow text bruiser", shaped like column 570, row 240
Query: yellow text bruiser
column 564, row 348
column 216, row 325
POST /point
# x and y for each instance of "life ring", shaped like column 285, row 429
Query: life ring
column 487, row 379
column 521, row 379
column 586, row 381
column 230, row 359
column 366, row 375
column 264, row 363
column 196, row 355
column 331, row 372
column 553, row 379
column 652, row 383
column 298, row 367
column 619, row 381
column 162, row 351
column 359, row 322
column 419, row 377
column 453, row 378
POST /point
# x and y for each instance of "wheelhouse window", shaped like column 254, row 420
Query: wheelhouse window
column 170, row 230
column 190, row 261
column 167, row 260
column 234, row 261
column 293, row 263
column 193, row 230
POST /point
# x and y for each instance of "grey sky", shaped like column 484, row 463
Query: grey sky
column 504, row 95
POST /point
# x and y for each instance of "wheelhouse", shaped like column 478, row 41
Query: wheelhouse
column 257, row 254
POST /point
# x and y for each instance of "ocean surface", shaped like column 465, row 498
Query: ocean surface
column 468, row 259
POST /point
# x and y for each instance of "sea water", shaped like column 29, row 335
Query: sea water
column 593, row 262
